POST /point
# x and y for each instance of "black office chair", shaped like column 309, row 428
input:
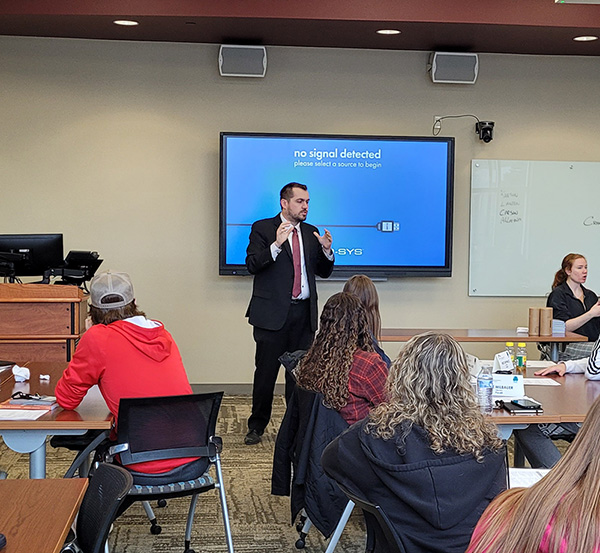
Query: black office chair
column 381, row 535
column 103, row 497
column 172, row 427
column 86, row 446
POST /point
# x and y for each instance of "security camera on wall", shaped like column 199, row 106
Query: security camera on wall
column 485, row 130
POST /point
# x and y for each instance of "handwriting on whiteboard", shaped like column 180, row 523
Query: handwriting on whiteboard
column 510, row 207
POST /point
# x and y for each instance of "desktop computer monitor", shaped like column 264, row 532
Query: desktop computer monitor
column 30, row 254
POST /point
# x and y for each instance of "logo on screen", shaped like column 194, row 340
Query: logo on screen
column 349, row 251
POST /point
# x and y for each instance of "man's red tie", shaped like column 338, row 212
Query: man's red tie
column 297, row 288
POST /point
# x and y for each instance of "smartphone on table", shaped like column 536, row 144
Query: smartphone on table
column 526, row 404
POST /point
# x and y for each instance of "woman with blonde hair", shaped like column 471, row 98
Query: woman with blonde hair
column 558, row 514
column 341, row 363
column 364, row 289
column 426, row 455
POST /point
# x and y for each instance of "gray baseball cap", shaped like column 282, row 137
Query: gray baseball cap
column 111, row 290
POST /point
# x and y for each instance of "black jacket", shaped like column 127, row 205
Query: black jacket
column 433, row 501
column 273, row 280
column 307, row 427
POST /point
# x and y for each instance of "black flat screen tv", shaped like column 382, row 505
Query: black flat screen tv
column 387, row 200
column 30, row 254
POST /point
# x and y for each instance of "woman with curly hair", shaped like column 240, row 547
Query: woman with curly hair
column 364, row 289
column 426, row 456
column 558, row 514
column 341, row 363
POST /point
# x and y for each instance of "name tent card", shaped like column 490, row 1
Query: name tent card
column 503, row 362
column 508, row 385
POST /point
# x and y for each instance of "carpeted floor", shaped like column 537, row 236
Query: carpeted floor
column 260, row 522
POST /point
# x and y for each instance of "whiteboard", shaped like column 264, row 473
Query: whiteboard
column 525, row 217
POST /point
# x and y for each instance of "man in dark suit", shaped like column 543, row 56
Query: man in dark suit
column 284, row 255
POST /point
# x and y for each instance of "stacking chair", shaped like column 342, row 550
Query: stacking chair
column 105, row 493
column 305, row 524
column 307, row 427
column 172, row 427
column 381, row 535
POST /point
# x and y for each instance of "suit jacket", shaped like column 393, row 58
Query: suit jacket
column 273, row 280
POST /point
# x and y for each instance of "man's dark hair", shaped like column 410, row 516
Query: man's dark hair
column 107, row 316
column 288, row 190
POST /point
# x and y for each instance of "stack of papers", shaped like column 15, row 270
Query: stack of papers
column 559, row 328
column 21, row 415
column 524, row 478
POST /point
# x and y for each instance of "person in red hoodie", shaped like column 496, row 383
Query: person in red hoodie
column 126, row 354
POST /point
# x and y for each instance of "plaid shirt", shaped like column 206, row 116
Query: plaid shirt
column 366, row 384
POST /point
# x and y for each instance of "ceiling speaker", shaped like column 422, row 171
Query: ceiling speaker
column 242, row 61
column 454, row 67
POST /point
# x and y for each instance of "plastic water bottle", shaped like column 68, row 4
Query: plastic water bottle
column 510, row 348
column 485, row 389
column 521, row 358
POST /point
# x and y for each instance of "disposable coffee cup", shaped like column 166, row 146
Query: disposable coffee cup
column 534, row 321
column 546, row 321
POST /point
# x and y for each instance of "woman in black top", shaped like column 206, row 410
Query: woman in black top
column 575, row 304
column 579, row 308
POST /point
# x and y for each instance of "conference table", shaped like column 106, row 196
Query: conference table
column 568, row 402
column 483, row 335
column 36, row 515
column 29, row 436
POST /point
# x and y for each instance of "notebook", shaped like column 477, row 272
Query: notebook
column 516, row 410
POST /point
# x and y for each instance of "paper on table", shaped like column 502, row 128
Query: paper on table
column 21, row 414
column 539, row 364
column 524, row 478
column 531, row 364
column 540, row 382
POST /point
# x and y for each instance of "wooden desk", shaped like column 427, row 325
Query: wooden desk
column 481, row 335
column 40, row 322
column 30, row 436
column 35, row 515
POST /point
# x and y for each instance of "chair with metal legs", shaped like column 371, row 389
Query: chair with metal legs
column 381, row 534
column 166, row 428
column 307, row 427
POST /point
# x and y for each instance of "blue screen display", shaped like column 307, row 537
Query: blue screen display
column 387, row 201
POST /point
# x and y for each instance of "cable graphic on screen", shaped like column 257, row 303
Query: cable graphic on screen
column 383, row 226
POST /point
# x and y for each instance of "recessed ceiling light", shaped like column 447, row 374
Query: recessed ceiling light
column 388, row 32
column 125, row 22
column 585, row 38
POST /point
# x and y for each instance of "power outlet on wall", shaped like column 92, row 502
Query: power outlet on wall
column 437, row 122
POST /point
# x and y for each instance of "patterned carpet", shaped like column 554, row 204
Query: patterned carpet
column 260, row 522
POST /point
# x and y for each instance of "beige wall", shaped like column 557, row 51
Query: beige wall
column 116, row 146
